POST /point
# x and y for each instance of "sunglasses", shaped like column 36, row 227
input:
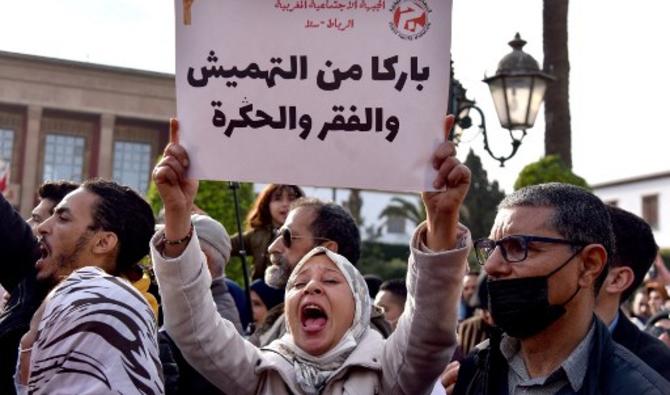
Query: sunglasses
column 287, row 237
column 514, row 248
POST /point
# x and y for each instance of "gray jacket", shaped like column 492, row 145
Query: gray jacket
column 408, row 362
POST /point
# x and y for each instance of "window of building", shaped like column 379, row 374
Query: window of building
column 6, row 145
column 650, row 210
column 132, row 164
column 63, row 157
column 395, row 224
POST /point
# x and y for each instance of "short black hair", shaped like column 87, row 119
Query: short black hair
column 333, row 222
column 396, row 287
column 56, row 190
column 635, row 246
column 578, row 216
column 374, row 282
column 120, row 210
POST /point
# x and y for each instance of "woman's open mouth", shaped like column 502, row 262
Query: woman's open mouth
column 313, row 318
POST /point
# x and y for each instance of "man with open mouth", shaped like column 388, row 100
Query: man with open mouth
column 96, row 332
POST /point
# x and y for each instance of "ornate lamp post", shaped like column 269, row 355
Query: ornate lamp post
column 517, row 88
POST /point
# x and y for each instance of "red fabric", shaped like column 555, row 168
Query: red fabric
column 3, row 181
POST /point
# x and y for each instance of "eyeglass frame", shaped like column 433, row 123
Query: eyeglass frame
column 525, row 241
column 657, row 331
column 287, row 237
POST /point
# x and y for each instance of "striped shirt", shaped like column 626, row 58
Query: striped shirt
column 97, row 336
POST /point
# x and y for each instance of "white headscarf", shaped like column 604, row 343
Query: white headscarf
column 312, row 372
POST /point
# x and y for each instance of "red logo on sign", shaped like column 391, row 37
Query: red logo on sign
column 410, row 18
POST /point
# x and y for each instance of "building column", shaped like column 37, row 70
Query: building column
column 106, row 146
column 30, row 160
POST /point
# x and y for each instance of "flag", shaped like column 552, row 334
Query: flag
column 4, row 176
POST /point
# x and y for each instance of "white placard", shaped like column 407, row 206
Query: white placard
column 313, row 92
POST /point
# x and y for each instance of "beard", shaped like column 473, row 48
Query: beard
column 66, row 263
column 277, row 274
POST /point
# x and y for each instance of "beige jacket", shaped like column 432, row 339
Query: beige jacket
column 408, row 362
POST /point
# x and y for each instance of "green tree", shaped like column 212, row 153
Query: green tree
column 482, row 199
column 216, row 199
column 548, row 169
column 665, row 254
column 414, row 211
column 355, row 204
column 385, row 260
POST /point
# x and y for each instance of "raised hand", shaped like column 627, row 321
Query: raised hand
column 442, row 207
column 176, row 190
column 450, row 376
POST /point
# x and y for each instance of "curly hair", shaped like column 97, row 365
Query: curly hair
column 56, row 190
column 122, row 211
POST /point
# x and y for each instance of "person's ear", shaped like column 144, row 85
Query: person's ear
column 619, row 279
column 105, row 243
column 594, row 259
column 331, row 245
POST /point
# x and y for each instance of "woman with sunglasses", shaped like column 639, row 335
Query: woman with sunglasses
column 328, row 348
column 267, row 214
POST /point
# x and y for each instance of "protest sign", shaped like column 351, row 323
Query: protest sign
column 313, row 92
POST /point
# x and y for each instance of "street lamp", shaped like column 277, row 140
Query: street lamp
column 517, row 88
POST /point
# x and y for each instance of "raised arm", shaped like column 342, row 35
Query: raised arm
column 442, row 207
column 18, row 247
column 209, row 343
column 425, row 339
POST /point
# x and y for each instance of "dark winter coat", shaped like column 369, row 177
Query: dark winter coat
column 18, row 249
column 646, row 347
column 612, row 369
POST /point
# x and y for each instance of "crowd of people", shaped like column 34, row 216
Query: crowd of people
column 564, row 300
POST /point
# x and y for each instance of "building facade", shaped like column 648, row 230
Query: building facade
column 646, row 196
column 71, row 120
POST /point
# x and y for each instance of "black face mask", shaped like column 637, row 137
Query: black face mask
column 520, row 306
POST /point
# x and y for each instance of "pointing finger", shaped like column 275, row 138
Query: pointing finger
column 174, row 131
column 449, row 122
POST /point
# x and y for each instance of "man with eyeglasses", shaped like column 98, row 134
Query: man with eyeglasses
column 546, row 259
column 310, row 223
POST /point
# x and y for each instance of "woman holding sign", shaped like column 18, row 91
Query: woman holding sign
column 328, row 347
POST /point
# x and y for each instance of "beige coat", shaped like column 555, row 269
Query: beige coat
column 408, row 362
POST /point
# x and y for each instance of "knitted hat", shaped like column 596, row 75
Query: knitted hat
column 270, row 296
column 212, row 232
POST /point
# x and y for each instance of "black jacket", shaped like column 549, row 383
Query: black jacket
column 18, row 254
column 180, row 377
column 612, row 369
column 646, row 347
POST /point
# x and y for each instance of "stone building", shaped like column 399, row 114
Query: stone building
column 62, row 119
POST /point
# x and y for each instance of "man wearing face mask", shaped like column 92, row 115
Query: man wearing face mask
column 546, row 260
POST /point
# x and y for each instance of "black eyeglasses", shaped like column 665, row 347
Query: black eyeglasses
column 657, row 331
column 287, row 237
column 514, row 248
